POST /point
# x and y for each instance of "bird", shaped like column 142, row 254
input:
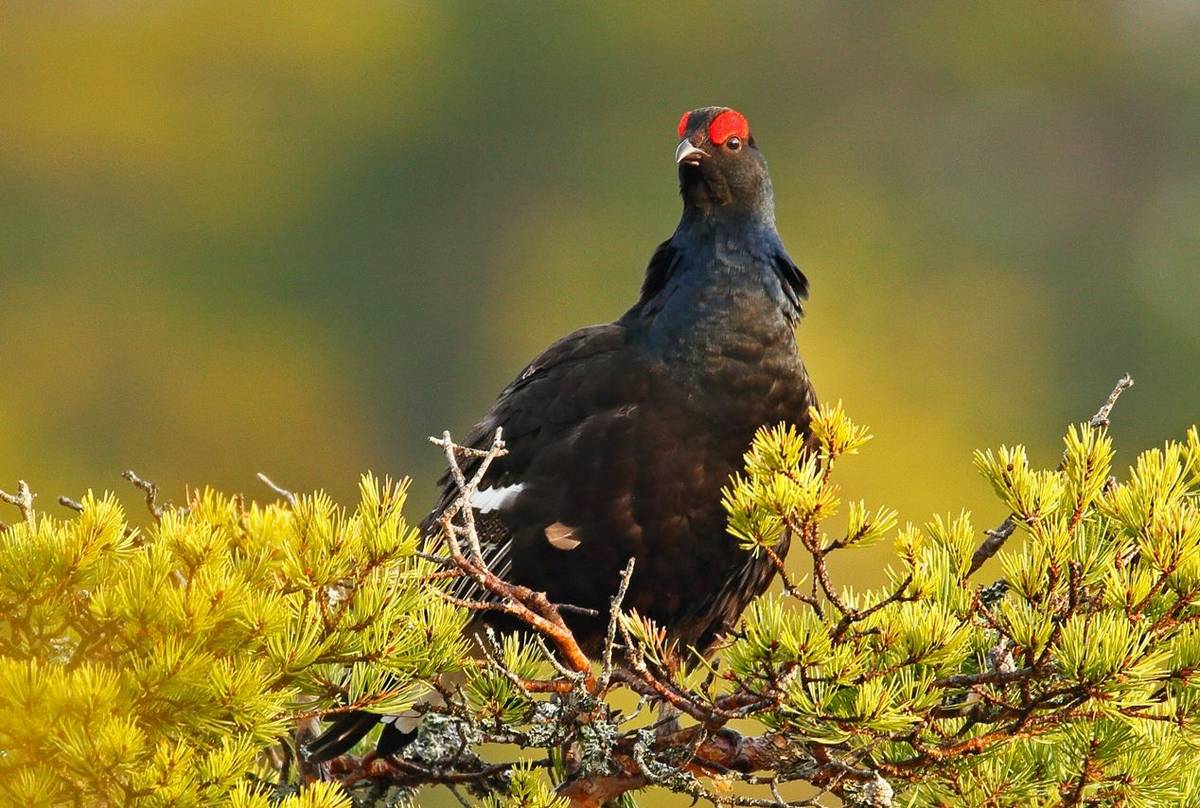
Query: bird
column 620, row 437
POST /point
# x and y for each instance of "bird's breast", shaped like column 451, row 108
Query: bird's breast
column 746, row 361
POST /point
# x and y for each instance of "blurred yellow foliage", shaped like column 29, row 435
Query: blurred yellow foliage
column 155, row 667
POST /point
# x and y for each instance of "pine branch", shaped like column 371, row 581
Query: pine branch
column 264, row 618
column 1000, row 534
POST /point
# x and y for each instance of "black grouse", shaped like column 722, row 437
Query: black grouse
column 620, row 436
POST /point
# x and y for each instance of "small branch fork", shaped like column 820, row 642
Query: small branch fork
column 23, row 500
column 614, row 620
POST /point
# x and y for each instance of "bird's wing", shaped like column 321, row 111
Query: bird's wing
column 546, row 401
column 793, row 281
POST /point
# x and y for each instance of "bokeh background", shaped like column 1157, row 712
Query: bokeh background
column 299, row 238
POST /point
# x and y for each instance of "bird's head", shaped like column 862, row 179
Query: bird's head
column 721, row 171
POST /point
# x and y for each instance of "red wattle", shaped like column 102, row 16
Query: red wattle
column 729, row 123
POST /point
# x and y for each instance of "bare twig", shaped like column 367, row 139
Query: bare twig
column 571, row 608
column 23, row 499
column 992, row 544
column 552, row 658
column 286, row 495
column 1100, row 419
column 614, row 617
column 467, row 489
column 436, row 559
column 639, row 679
column 821, row 573
column 67, row 502
column 532, row 608
column 459, row 797
column 494, row 655
column 149, row 489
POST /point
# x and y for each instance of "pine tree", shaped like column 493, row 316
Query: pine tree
column 183, row 663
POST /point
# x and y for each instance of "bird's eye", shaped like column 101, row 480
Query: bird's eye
column 733, row 143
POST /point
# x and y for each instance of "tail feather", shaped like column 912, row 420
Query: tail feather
column 346, row 730
column 393, row 739
column 351, row 727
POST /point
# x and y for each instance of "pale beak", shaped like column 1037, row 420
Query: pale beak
column 688, row 154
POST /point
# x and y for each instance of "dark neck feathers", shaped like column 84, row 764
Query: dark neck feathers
column 714, row 252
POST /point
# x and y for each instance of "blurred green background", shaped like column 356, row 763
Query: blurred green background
column 299, row 238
